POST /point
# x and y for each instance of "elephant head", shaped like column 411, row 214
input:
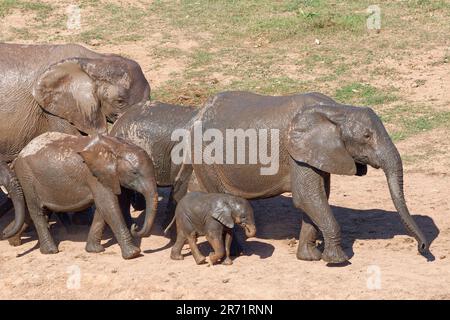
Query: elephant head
column 115, row 163
column 234, row 210
column 344, row 139
column 9, row 181
column 84, row 91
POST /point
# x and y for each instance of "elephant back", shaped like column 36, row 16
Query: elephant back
column 150, row 126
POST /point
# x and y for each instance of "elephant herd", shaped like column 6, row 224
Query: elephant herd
column 59, row 154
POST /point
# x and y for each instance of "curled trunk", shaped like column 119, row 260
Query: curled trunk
column 393, row 169
column 151, row 201
column 10, row 182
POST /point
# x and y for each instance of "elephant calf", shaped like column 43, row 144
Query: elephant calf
column 212, row 215
column 61, row 173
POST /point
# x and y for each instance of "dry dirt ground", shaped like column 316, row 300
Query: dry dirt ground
column 384, row 263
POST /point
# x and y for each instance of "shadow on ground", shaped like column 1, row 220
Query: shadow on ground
column 276, row 218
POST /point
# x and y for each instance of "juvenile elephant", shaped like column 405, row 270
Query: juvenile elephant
column 64, row 88
column 60, row 173
column 212, row 215
column 316, row 137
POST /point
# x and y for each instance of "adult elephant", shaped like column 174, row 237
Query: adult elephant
column 317, row 137
column 150, row 126
column 63, row 88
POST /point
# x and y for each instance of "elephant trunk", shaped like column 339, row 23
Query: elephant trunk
column 9, row 180
column 250, row 230
column 393, row 169
column 151, row 208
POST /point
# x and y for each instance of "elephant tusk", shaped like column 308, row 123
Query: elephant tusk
column 4, row 190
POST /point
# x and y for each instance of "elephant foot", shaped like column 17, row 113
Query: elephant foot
column 176, row 256
column 48, row 249
column 15, row 241
column 308, row 252
column 94, row 247
column 200, row 260
column 227, row 262
column 334, row 254
column 130, row 252
column 213, row 258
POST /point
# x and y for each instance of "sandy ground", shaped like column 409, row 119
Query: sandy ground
column 384, row 261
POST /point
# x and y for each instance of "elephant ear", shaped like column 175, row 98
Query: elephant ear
column 67, row 91
column 222, row 213
column 314, row 138
column 102, row 162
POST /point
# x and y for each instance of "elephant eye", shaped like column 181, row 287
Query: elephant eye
column 367, row 135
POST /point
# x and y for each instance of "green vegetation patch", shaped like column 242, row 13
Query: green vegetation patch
column 42, row 10
column 363, row 94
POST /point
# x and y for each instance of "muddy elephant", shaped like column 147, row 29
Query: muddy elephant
column 64, row 88
column 212, row 215
column 314, row 137
column 61, row 173
column 150, row 126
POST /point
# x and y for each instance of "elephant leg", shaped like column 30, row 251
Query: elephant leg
column 175, row 253
column 216, row 242
column 309, row 194
column 307, row 249
column 108, row 206
column 93, row 243
column 198, row 257
column 46, row 243
column 17, row 239
column 228, row 239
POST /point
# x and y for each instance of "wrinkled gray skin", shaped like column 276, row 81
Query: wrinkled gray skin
column 9, row 180
column 150, row 127
column 318, row 137
column 212, row 215
column 64, row 88
column 61, row 173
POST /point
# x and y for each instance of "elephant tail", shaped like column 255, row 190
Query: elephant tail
column 170, row 225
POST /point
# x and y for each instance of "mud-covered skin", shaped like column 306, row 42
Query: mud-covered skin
column 62, row 173
column 10, row 182
column 317, row 137
column 212, row 215
column 64, row 88
column 150, row 127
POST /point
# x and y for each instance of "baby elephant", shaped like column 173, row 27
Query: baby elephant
column 212, row 215
column 62, row 173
